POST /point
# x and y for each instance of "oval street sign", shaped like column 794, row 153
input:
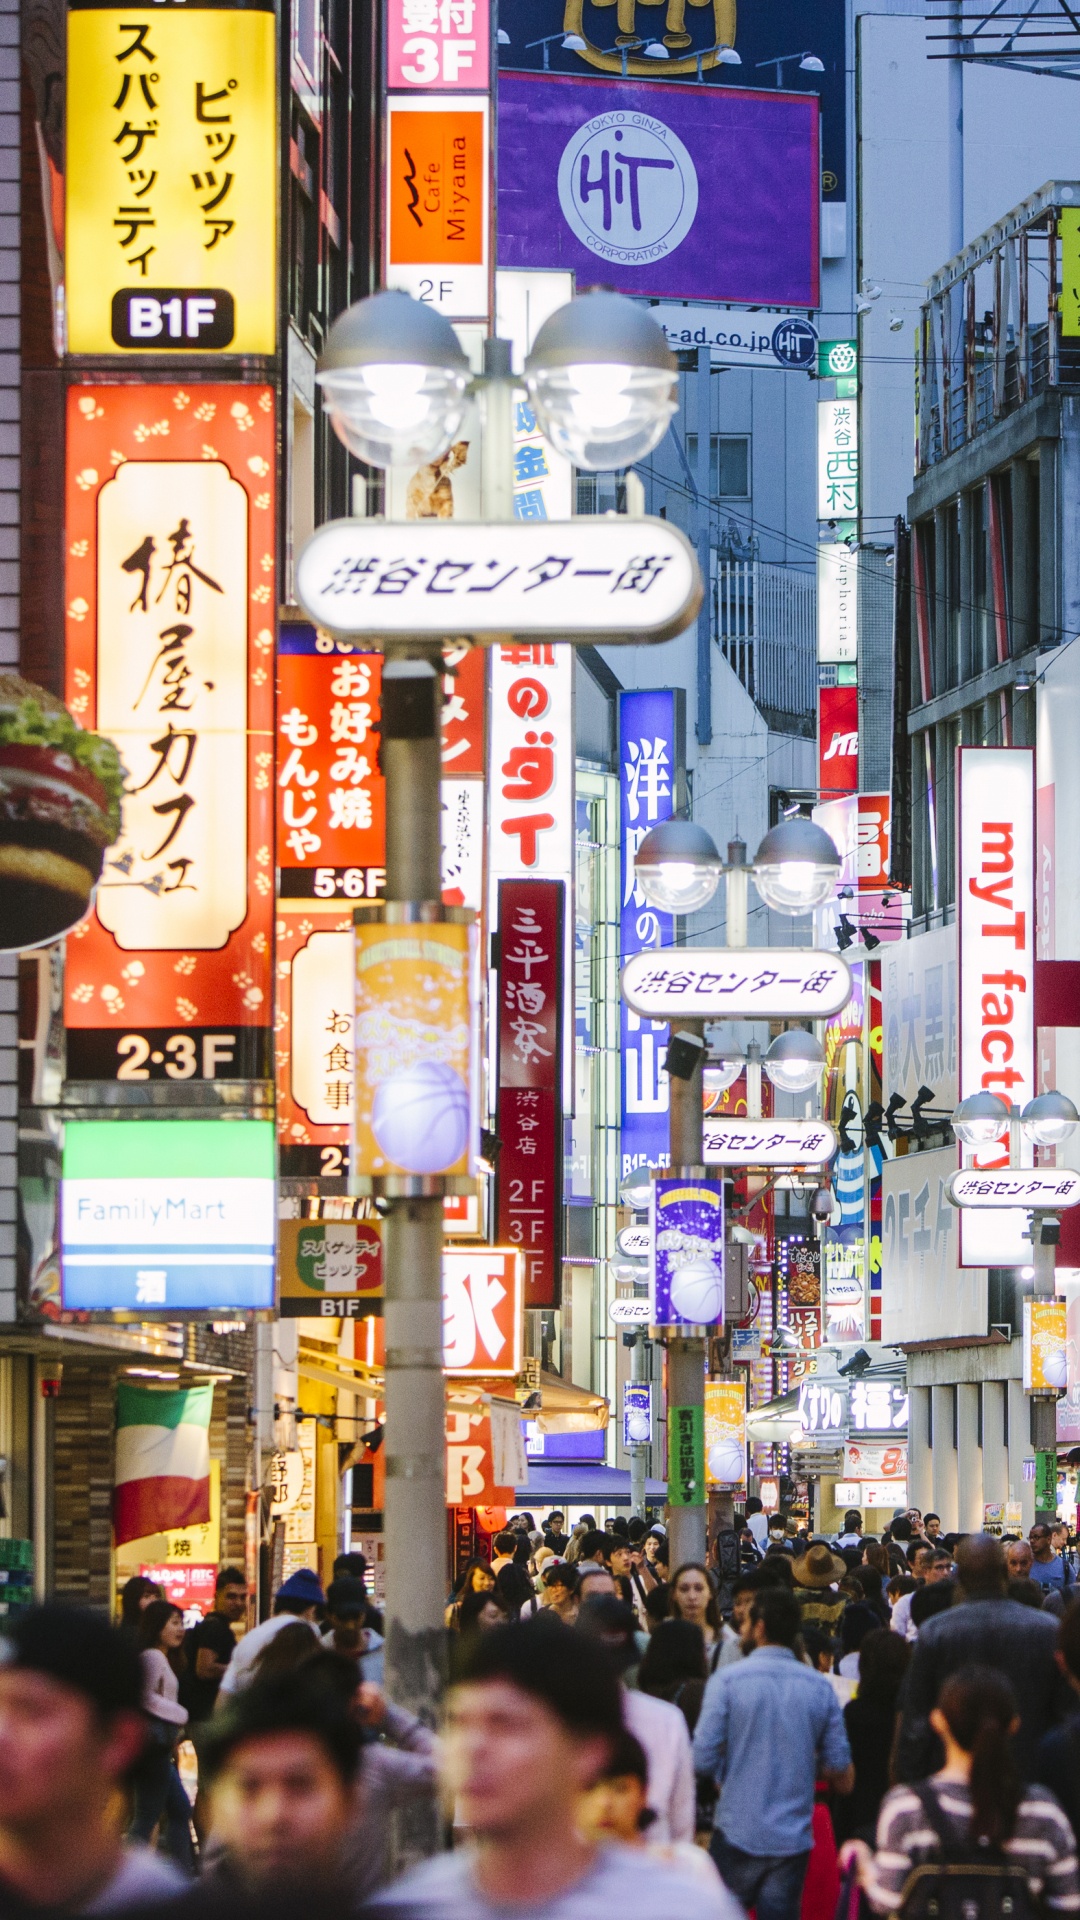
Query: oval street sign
column 634, row 1242
column 1050, row 1187
column 629, row 1313
column 616, row 580
column 736, row 983
column 767, row 1143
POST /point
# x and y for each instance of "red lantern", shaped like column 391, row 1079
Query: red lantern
column 490, row 1519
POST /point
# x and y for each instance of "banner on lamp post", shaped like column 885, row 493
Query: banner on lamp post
column 686, row 1457
column 725, row 1433
column 652, row 736
column 686, row 1264
column 1045, row 1346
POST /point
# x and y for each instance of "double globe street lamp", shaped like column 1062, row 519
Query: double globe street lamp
column 395, row 383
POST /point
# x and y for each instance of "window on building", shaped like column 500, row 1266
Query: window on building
column 729, row 464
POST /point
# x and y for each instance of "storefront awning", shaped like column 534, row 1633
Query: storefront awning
column 580, row 1484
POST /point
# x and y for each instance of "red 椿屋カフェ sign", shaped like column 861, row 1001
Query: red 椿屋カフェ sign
column 529, row 1114
column 169, row 650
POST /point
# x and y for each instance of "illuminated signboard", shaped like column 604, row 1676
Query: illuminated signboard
column 437, row 201
column 438, row 44
column 170, row 232
column 169, row 604
column 167, row 1216
column 995, row 911
column 415, row 1046
column 482, row 1311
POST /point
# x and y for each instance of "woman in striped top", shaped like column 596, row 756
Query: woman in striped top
column 983, row 1802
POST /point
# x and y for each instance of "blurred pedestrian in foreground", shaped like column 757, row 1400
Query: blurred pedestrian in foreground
column 531, row 1724
column 987, row 1629
column 71, row 1736
column 1057, row 1757
column 975, row 1803
column 660, row 1727
column 769, row 1729
column 281, row 1764
column 159, row 1793
column 617, row 1808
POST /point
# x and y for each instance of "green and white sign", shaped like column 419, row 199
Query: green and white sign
column 686, row 1457
column 838, row 359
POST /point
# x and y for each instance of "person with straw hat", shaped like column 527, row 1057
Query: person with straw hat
column 817, row 1572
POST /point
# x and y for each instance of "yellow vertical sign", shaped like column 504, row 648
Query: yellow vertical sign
column 170, row 216
column 1069, row 232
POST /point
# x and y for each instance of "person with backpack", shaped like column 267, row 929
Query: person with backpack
column 972, row 1838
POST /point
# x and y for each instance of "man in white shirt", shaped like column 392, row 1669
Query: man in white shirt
column 757, row 1522
column 529, row 1728
column 297, row 1599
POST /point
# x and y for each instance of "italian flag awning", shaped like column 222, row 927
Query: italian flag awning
column 162, row 1460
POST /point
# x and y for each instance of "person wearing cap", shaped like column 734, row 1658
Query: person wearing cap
column 816, row 1573
column 297, row 1599
column 71, row 1737
column 347, row 1631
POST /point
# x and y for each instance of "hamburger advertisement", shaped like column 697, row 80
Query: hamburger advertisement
column 60, row 800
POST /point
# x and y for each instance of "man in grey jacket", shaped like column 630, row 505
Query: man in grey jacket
column 983, row 1628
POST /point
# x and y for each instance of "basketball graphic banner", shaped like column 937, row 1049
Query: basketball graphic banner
column 686, row 1267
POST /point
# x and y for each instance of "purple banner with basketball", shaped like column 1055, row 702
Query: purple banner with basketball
column 680, row 191
column 686, row 1264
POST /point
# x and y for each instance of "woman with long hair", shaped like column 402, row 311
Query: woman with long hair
column 159, row 1792
column 693, row 1599
column 475, row 1577
column 870, row 1720
column 979, row 1801
column 135, row 1596
column 480, row 1612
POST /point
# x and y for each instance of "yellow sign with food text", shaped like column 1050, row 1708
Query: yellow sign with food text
column 171, row 211
column 416, row 1067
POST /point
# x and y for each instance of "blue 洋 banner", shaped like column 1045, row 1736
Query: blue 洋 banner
column 650, row 779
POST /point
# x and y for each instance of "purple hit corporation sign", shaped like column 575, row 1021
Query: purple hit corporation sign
column 696, row 193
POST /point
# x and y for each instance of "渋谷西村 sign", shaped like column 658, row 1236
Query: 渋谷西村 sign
column 623, row 581
column 767, row 1143
column 747, row 983
column 1050, row 1187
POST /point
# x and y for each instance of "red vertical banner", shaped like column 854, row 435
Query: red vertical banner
column 838, row 741
column 528, row 1207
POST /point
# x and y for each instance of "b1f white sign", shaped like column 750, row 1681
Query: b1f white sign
column 738, row 983
column 618, row 580
column 767, row 1143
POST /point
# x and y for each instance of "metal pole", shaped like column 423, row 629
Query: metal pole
column 1043, row 1405
column 687, row 1526
column 639, row 1451
column 415, row 1510
column 955, row 128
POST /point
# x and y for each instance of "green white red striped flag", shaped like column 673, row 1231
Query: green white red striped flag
column 162, row 1460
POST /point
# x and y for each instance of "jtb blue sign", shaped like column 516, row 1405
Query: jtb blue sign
column 651, row 733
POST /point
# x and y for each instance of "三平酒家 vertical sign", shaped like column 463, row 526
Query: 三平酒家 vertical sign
column 169, row 604
column 528, row 1122
column 170, row 213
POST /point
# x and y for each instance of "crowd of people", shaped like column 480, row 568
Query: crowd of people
column 800, row 1726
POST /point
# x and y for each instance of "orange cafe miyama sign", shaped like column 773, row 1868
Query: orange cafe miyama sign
column 169, row 604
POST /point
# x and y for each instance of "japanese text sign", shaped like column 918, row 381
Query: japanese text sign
column 330, row 794
column 628, row 581
column 636, row 1413
column 823, row 1407
column 686, row 1457
column 169, row 591
column 683, row 191
column 482, row 1311
column 768, row 1143
column 470, row 1461
column 845, row 1290
column 863, row 1462
column 686, row 1266
column 838, row 740
column 725, row 1433
column 651, row 752
column 748, row 983
column 437, row 201
column 1051, row 1187
column 1045, row 1347
column 170, row 230
column 437, row 45
column 878, row 1406
column 529, row 1026
column 329, row 1268
column 415, row 1043
column 838, row 459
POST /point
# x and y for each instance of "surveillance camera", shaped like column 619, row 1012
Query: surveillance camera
column 684, row 1054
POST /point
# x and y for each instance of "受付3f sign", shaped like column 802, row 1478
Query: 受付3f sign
column 996, row 897
column 996, row 915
